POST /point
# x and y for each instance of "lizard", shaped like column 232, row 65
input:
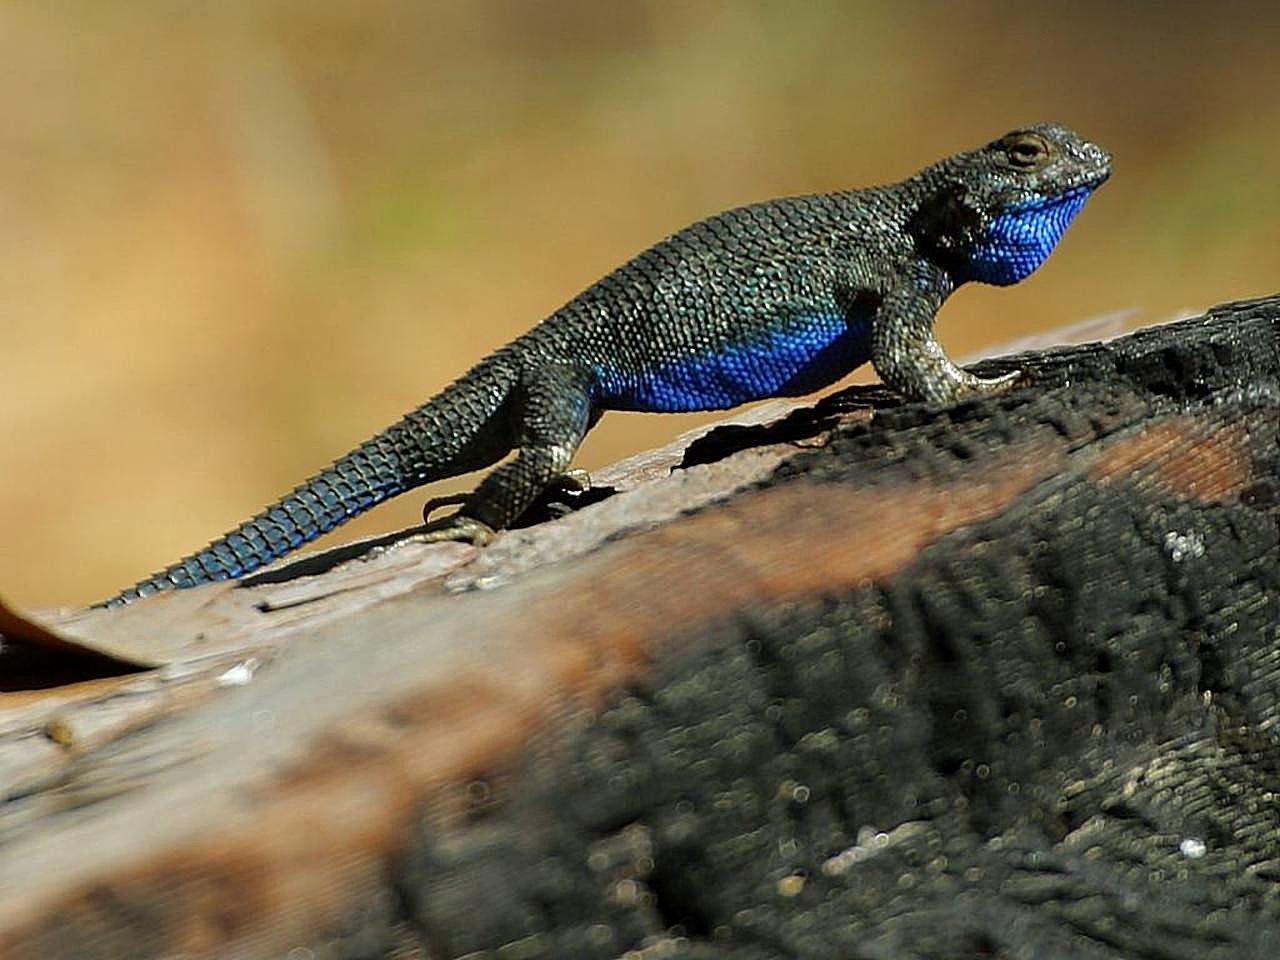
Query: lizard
column 778, row 298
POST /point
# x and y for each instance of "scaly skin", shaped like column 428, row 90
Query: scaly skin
column 774, row 299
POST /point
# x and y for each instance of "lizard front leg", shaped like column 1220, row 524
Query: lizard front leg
column 907, row 355
column 553, row 414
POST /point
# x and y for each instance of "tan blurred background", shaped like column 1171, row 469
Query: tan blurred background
column 237, row 238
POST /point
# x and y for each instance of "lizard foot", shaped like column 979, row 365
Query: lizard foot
column 983, row 387
column 571, row 481
column 454, row 528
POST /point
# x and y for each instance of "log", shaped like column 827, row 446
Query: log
column 855, row 679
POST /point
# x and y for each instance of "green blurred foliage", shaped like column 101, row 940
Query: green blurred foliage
column 238, row 238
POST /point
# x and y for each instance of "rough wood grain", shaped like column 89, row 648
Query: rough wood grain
column 999, row 680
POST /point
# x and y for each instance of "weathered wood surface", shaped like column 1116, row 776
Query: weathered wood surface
column 999, row 680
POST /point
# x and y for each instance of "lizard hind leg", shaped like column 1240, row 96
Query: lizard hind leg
column 552, row 415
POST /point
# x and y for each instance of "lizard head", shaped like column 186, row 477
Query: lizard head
column 996, row 213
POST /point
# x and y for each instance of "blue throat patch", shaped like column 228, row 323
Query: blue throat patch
column 1022, row 237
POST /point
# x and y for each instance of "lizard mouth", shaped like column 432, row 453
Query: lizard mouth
column 1099, row 178
column 1087, row 182
column 1043, row 201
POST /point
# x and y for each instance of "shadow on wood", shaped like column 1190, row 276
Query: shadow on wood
column 876, row 680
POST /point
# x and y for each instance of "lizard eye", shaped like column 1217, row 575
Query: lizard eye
column 1027, row 150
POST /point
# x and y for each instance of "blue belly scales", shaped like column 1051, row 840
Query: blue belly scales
column 798, row 358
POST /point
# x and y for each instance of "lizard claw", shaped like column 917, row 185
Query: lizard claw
column 435, row 503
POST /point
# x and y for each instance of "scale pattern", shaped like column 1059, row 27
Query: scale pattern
column 1022, row 238
column 775, row 298
column 397, row 459
column 791, row 360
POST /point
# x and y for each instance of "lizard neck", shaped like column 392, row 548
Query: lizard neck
column 1000, row 245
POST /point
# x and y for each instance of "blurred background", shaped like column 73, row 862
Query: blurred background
column 238, row 238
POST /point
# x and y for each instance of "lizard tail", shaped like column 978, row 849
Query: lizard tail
column 459, row 430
